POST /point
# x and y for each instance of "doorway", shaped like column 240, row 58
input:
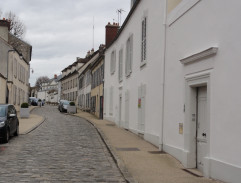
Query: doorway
column 120, row 110
column 201, row 127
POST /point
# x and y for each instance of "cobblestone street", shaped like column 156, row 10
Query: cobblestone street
column 63, row 149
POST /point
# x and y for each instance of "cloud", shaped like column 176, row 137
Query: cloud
column 61, row 30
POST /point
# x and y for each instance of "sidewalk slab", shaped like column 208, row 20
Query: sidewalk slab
column 28, row 124
column 139, row 160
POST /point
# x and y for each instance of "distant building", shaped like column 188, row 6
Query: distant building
column 84, row 81
column 69, row 80
column 97, row 84
column 49, row 91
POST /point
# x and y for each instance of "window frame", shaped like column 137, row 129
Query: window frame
column 143, row 41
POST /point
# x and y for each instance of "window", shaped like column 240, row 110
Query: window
column 15, row 67
column 113, row 62
column 143, row 42
column 111, row 100
column 120, row 65
column 129, row 55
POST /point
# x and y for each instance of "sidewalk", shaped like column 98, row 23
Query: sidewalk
column 28, row 124
column 139, row 160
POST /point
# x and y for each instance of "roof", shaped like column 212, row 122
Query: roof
column 125, row 22
column 2, row 76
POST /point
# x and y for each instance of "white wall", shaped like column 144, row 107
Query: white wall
column 150, row 74
column 207, row 24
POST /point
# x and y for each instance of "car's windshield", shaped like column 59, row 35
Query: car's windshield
column 66, row 102
column 2, row 111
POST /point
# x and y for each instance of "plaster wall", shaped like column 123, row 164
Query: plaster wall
column 18, row 80
column 4, row 33
column 150, row 74
column 206, row 24
column 2, row 91
column 4, row 47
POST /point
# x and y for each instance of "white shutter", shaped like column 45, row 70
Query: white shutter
column 131, row 54
column 111, row 101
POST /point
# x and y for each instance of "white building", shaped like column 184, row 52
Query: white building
column 201, row 94
column 170, row 75
column 133, row 84
column 49, row 91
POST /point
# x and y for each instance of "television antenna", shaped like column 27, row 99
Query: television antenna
column 119, row 12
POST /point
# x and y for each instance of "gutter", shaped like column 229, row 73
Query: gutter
column 164, row 73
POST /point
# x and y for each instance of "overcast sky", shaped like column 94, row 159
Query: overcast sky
column 61, row 30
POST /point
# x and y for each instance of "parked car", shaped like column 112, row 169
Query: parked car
column 9, row 123
column 63, row 105
column 33, row 101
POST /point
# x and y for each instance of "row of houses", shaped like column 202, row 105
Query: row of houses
column 169, row 74
column 15, row 57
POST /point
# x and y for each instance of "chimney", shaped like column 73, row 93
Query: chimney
column 111, row 31
column 4, row 29
column 55, row 76
column 92, row 51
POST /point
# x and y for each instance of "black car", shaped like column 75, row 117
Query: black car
column 9, row 123
column 33, row 101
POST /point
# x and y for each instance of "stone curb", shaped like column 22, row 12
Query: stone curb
column 33, row 128
column 120, row 164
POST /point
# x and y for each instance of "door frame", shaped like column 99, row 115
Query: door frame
column 192, row 82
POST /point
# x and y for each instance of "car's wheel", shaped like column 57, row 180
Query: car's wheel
column 17, row 131
column 7, row 136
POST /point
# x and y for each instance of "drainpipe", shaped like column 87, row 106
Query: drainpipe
column 7, row 75
column 164, row 72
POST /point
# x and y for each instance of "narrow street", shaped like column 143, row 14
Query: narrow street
column 63, row 149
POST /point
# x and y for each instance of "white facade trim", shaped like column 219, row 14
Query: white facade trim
column 180, row 10
column 201, row 55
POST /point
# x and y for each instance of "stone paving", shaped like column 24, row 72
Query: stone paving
column 63, row 149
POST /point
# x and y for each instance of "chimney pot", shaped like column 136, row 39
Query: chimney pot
column 110, row 32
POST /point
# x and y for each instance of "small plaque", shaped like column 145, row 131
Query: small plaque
column 139, row 103
column 180, row 128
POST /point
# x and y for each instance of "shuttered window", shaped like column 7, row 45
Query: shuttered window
column 120, row 65
column 113, row 62
column 129, row 56
column 143, row 42
column 111, row 100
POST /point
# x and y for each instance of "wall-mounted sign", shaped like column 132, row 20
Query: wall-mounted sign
column 139, row 103
column 180, row 128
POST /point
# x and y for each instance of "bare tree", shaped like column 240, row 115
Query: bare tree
column 40, row 81
column 17, row 27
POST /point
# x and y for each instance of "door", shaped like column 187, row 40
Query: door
column 120, row 106
column 141, row 108
column 202, row 126
column 101, row 107
column 127, row 98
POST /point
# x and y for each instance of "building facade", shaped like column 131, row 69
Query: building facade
column 97, row 85
column 15, row 66
column 49, row 91
column 201, row 113
column 170, row 75
column 69, row 81
column 133, row 62
column 84, row 84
